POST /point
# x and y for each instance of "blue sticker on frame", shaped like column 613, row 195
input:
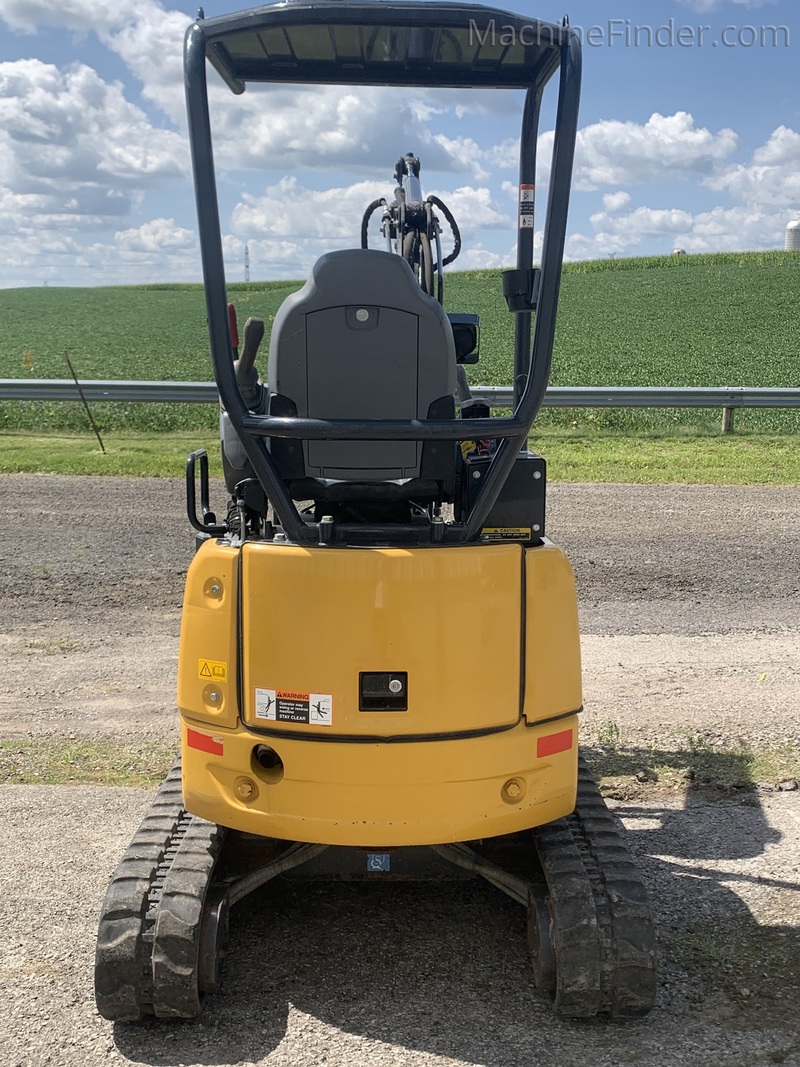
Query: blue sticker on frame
column 379, row 862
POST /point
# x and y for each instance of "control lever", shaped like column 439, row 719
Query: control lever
column 245, row 366
column 235, row 464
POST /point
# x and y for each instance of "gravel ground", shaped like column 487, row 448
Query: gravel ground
column 689, row 614
column 402, row 975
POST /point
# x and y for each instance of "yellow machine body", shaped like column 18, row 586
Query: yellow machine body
column 275, row 640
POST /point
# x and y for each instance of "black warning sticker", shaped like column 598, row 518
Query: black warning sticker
column 286, row 705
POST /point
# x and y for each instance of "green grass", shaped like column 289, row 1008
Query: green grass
column 137, row 455
column 680, row 456
column 690, row 321
column 572, row 456
column 95, row 761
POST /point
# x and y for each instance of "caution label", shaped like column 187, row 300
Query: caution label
column 285, row 705
column 211, row 670
column 527, row 195
column 507, row 533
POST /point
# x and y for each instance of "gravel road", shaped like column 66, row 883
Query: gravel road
column 689, row 614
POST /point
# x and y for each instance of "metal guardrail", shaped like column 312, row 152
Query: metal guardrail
column 113, row 389
column 557, row 396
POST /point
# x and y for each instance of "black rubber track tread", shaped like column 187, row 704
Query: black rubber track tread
column 122, row 965
column 179, row 922
column 603, row 931
column 127, row 951
column 633, row 971
column 576, row 937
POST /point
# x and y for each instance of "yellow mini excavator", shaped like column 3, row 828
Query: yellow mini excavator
column 331, row 718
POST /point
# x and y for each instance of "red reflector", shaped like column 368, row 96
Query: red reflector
column 203, row 742
column 553, row 743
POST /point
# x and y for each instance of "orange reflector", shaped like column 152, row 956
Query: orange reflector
column 553, row 743
column 194, row 739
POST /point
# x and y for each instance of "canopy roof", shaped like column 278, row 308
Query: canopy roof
column 382, row 42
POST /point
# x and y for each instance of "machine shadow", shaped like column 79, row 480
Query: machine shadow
column 442, row 968
column 687, row 844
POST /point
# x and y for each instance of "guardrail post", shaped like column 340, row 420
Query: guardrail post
column 727, row 420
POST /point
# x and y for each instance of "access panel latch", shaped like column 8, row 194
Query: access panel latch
column 521, row 288
column 383, row 691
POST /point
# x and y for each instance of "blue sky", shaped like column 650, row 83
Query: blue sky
column 689, row 138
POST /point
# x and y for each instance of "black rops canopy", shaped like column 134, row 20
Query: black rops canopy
column 388, row 42
column 381, row 43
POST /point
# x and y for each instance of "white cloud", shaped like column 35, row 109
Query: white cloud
column 149, row 40
column 353, row 128
column 289, row 210
column 643, row 222
column 767, row 191
column 474, row 208
column 285, row 259
column 156, row 251
column 773, row 177
column 147, row 37
column 26, row 16
column 465, row 152
column 504, row 155
column 480, row 258
column 291, row 225
column 157, row 235
column 717, row 230
column 732, row 229
column 358, row 130
column 665, row 147
column 615, row 153
column 616, row 201
column 782, row 147
column 74, row 153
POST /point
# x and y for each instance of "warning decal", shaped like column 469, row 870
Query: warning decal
column 285, row 705
column 212, row 670
column 527, row 195
column 507, row 533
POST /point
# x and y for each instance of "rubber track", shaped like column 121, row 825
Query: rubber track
column 125, row 959
column 179, row 922
column 602, row 928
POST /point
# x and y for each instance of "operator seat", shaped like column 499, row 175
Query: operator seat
column 361, row 340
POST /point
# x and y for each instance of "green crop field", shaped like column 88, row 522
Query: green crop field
column 715, row 320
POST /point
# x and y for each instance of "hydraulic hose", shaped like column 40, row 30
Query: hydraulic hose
column 445, row 210
column 373, row 207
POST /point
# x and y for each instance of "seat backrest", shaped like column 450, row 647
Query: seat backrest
column 361, row 340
